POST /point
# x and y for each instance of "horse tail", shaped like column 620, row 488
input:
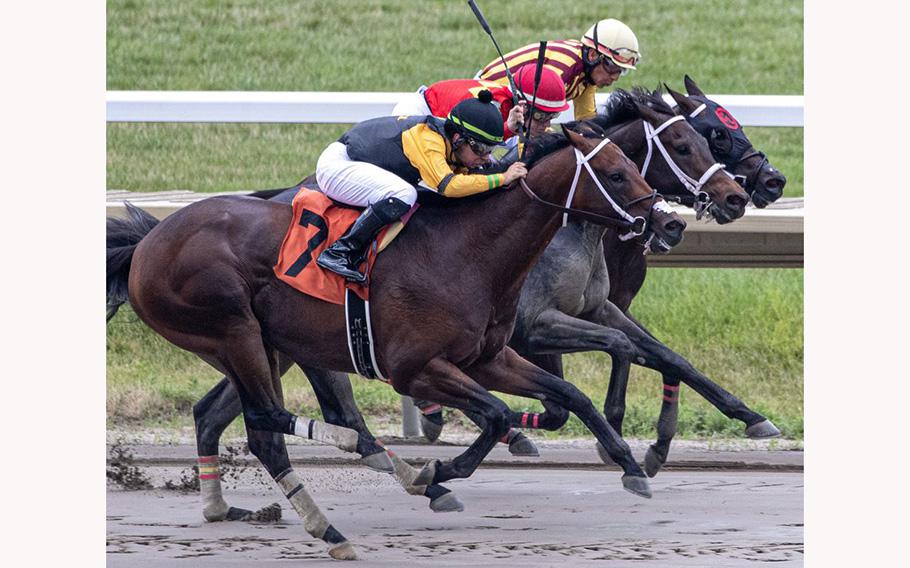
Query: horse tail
column 123, row 235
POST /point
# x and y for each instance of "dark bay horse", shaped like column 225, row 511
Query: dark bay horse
column 444, row 303
column 627, row 267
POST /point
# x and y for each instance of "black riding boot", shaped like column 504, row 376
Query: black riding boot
column 349, row 252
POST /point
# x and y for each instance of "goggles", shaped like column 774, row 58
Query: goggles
column 541, row 116
column 612, row 56
column 479, row 148
column 622, row 56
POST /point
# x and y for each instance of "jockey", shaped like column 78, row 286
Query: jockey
column 607, row 50
column 439, row 98
column 377, row 163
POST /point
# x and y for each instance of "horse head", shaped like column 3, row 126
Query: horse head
column 614, row 185
column 673, row 157
column 730, row 145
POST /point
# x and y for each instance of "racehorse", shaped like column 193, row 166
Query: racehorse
column 444, row 301
column 627, row 268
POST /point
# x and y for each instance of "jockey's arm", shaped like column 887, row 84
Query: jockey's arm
column 426, row 150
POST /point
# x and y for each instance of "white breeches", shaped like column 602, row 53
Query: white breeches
column 358, row 183
column 414, row 104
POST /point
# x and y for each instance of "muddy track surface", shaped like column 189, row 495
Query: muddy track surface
column 512, row 518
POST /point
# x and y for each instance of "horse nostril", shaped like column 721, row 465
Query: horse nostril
column 675, row 227
column 775, row 184
column 736, row 202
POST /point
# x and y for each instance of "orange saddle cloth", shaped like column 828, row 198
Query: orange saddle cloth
column 317, row 223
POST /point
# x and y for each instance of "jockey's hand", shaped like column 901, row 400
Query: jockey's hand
column 516, row 171
column 516, row 118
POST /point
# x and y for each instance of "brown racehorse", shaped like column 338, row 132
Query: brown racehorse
column 444, row 300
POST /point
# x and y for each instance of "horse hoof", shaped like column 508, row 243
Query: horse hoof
column 343, row 551
column 522, row 446
column 447, row 503
column 653, row 463
column 763, row 429
column 431, row 425
column 268, row 514
column 380, row 461
column 636, row 485
column 426, row 475
column 604, row 456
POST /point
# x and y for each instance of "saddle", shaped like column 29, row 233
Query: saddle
column 316, row 223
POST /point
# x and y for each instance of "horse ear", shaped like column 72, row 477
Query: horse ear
column 686, row 104
column 575, row 138
column 647, row 113
column 692, row 88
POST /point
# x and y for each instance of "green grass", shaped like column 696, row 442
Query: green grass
column 743, row 328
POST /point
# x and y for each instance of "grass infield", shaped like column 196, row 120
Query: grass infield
column 743, row 328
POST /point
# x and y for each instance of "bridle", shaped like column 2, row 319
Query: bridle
column 636, row 225
column 741, row 179
column 652, row 137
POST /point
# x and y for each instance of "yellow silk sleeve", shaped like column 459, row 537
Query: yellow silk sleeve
column 426, row 150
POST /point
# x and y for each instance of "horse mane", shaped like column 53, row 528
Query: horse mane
column 543, row 146
column 622, row 106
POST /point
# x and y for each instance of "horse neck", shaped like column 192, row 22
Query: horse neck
column 519, row 228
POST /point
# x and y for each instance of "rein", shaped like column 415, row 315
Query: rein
column 635, row 225
column 702, row 199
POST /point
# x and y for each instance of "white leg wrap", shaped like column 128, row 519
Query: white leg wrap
column 314, row 521
column 338, row 436
column 214, row 507
column 405, row 474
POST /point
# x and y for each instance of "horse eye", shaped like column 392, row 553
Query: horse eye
column 683, row 150
column 616, row 177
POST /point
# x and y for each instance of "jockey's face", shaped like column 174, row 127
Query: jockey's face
column 466, row 156
column 604, row 74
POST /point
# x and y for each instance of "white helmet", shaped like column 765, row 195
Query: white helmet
column 612, row 38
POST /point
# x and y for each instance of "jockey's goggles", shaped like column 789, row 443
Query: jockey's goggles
column 541, row 116
column 613, row 59
column 479, row 148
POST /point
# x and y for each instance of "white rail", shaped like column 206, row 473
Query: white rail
column 351, row 107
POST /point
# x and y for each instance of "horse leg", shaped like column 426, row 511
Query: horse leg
column 336, row 399
column 431, row 421
column 256, row 374
column 655, row 355
column 442, row 381
column 554, row 333
column 511, row 374
column 212, row 414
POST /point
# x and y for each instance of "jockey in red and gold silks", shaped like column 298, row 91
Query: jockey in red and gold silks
column 607, row 50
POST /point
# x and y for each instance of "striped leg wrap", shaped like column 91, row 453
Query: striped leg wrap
column 430, row 409
column 214, row 507
column 314, row 521
column 671, row 393
column 534, row 419
column 338, row 436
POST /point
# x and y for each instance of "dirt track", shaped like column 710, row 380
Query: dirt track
column 513, row 517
